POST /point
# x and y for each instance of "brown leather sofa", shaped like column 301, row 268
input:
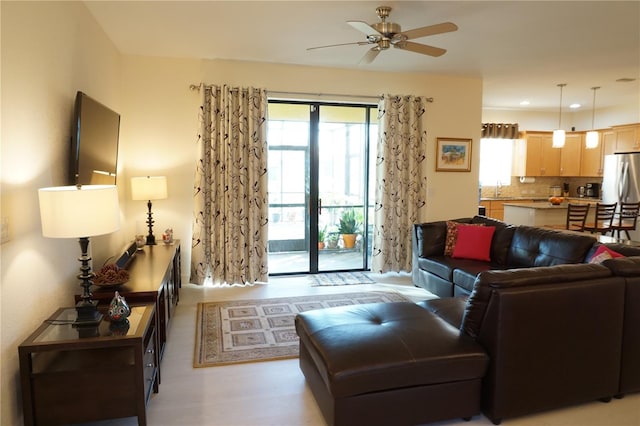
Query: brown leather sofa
column 524, row 340
column 553, row 335
column 511, row 247
column 629, row 269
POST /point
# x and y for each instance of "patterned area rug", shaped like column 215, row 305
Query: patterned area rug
column 340, row 278
column 259, row 330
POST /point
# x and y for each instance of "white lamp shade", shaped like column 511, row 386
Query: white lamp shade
column 592, row 139
column 75, row 212
column 149, row 188
column 558, row 139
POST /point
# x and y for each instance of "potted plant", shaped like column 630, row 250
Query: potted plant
column 321, row 236
column 348, row 227
column 332, row 240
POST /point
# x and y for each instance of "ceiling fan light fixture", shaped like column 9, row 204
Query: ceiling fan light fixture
column 559, row 134
column 386, row 34
column 592, row 135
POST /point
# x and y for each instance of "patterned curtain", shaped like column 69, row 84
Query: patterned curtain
column 229, row 242
column 400, row 180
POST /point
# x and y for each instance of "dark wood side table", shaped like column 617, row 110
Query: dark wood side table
column 84, row 374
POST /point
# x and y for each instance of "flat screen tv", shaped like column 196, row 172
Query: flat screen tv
column 94, row 143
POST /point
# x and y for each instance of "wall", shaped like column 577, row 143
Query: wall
column 49, row 51
column 455, row 112
column 162, row 119
column 546, row 120
column 63, row 50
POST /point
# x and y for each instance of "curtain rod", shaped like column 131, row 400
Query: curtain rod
column 332, row 95
column 196, row 87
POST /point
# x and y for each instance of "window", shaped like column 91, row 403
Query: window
column 496, row 156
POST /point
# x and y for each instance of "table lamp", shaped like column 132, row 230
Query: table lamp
column 80, row 212
column 149, row 188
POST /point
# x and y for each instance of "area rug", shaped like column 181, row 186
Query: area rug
column 340, row 278
column 259, row 330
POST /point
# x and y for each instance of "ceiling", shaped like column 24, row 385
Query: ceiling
column 520, row 49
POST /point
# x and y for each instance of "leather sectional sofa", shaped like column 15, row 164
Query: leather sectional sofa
column 538, row 328
column 511, row 247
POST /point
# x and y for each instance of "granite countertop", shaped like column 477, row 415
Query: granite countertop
column 513, row 198
column 539, row 198
column 538, row 205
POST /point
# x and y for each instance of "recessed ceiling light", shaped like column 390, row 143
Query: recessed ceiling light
column 625, row 80
column 525, row 103
column 574, row 106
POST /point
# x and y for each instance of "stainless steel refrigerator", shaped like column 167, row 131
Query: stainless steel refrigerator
column 621, row 181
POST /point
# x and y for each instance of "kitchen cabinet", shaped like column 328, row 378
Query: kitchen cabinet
column 540, row 158
column 535, row 214
column 592, row 160
column 570, row 154
column 495, row 208
column 627, row 138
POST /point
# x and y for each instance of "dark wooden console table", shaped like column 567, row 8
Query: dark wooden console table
column 85, row 374
column 154, row 277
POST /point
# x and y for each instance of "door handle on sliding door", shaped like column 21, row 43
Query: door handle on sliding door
column 319, row 205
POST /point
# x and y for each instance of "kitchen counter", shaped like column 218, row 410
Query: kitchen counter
column 535, row 214
column 541, row 213
column 536, row 205
column 539, row 198
column 513, row 198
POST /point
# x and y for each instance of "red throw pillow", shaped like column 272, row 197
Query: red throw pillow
column 603, row 253
column 452, row 235
column 473, row 242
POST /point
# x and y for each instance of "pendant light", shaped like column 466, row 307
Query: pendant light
column 558, row 135
column 592, row 135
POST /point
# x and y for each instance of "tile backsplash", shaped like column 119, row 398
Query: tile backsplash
column 537, row 189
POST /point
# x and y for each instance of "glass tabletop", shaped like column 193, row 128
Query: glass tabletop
column 60, row 328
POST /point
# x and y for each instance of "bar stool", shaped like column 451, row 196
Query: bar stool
column 603, row 218
column 627, row 219
column 576, row 216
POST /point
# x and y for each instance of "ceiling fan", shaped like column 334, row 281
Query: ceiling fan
column 386, row 34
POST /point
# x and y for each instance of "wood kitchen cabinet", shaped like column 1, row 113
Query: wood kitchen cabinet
column 535, row 156
column 592, row 160
column 540, row 158
column 627, row 138
column 495, row 208
column 571, row 153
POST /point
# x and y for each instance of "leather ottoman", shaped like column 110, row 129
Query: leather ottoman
column 389, row 363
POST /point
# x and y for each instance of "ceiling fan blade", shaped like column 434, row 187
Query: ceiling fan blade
column 365, row 28
column 421, row 48
column 369, row 56
column 359, row 43
column 445, row 27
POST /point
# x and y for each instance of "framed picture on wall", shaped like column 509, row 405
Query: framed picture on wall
column 453, row 155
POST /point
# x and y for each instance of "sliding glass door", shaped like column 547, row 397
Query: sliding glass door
column 320, row 198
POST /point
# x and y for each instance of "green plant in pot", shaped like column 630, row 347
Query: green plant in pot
column 322, row 233
column 349, row 228
column 332, row 240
